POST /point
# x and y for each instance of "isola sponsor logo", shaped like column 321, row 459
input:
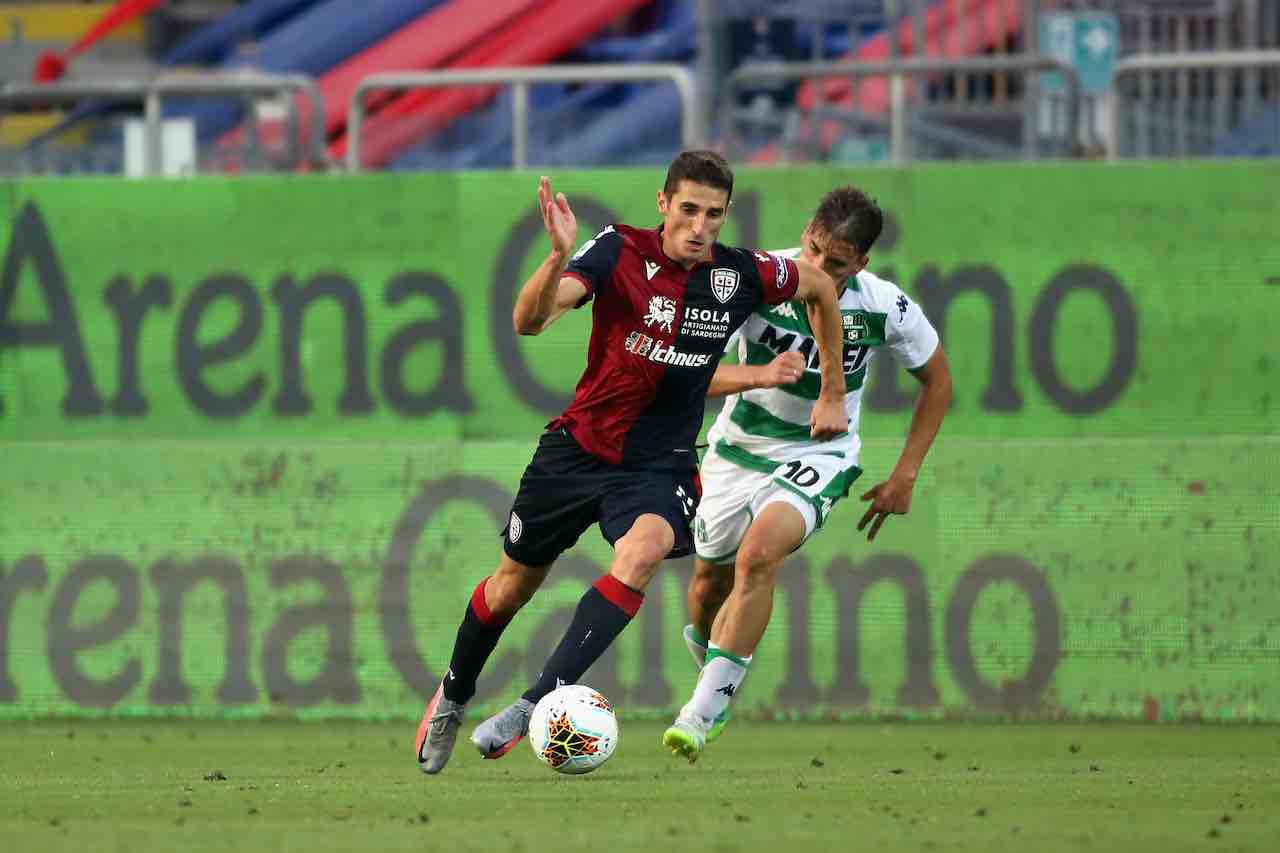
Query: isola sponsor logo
column 706, row 315
column 655, row 350
column 705, row 323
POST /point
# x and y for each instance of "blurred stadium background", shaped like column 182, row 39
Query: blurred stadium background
column 262, row 412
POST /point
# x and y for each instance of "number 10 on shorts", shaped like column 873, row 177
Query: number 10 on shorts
column 821, row 479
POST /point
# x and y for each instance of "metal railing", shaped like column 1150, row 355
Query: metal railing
column 896, row 71
column 151, row 92
column 520, row 78
column 1216, row 60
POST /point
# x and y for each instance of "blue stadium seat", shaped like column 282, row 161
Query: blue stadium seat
column 310, row 43
column 560, row 115
column 1257, row 137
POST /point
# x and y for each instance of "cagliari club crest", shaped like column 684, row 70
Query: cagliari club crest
column 724, row 283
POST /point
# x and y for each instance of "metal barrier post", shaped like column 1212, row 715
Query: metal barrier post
column 519, row 125
column 1031, row 84
column 151, row 92
column 151, row 133
column 1175, row 62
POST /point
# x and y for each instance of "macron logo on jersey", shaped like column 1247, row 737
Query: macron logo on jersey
column 651, row 268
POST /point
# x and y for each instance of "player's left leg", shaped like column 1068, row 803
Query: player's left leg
column 777, row 531
column 609, row 605
column 780, row 527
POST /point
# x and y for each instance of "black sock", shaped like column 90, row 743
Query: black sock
column 601, row 615
column 477, row 637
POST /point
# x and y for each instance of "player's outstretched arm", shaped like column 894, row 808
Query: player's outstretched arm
column 736, row 378
column 547, row 294
column 893, row 496
column 818, row 291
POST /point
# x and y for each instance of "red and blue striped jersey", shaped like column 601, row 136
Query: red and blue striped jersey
column 657, row 333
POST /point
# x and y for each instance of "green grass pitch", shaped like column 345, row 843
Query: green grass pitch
column 272, row 786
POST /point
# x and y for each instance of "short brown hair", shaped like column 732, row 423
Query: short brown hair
column 851, row 216
column 701, row 167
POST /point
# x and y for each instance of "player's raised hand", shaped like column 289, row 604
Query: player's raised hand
column 557, row 218
column 828, row 419
column 783, row 370
column 892, row 497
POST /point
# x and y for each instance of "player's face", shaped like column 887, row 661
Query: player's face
column 835, row 257
column 691, row 221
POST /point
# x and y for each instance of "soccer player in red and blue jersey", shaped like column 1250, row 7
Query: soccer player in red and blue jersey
column 622, row 455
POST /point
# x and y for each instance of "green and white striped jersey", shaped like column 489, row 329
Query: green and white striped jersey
column 762, row 427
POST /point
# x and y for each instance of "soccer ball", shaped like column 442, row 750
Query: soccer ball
column 573, row 729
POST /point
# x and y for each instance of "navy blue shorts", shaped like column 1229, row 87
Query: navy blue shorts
column 565, row 490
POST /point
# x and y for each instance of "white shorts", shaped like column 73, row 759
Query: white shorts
column 733, row 495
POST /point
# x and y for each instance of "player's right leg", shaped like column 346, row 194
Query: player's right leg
column 495, row 600
column 708, row 588
column 723, row 516
column 551, row 509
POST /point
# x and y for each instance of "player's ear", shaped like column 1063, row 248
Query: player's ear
column 861, row 264
column 662, row 203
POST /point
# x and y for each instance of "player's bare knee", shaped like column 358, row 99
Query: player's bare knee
column 757, row 564
column 511, row 587
column 637, row 557
column 506, row 595
column 712, row 585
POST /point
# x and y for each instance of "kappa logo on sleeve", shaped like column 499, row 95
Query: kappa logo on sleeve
column 902, row 308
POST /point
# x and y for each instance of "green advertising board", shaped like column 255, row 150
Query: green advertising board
column 259, row 437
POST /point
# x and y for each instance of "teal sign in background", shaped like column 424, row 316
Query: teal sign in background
column 1088, row 41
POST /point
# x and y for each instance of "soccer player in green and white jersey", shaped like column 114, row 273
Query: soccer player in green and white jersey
column 767, row 486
